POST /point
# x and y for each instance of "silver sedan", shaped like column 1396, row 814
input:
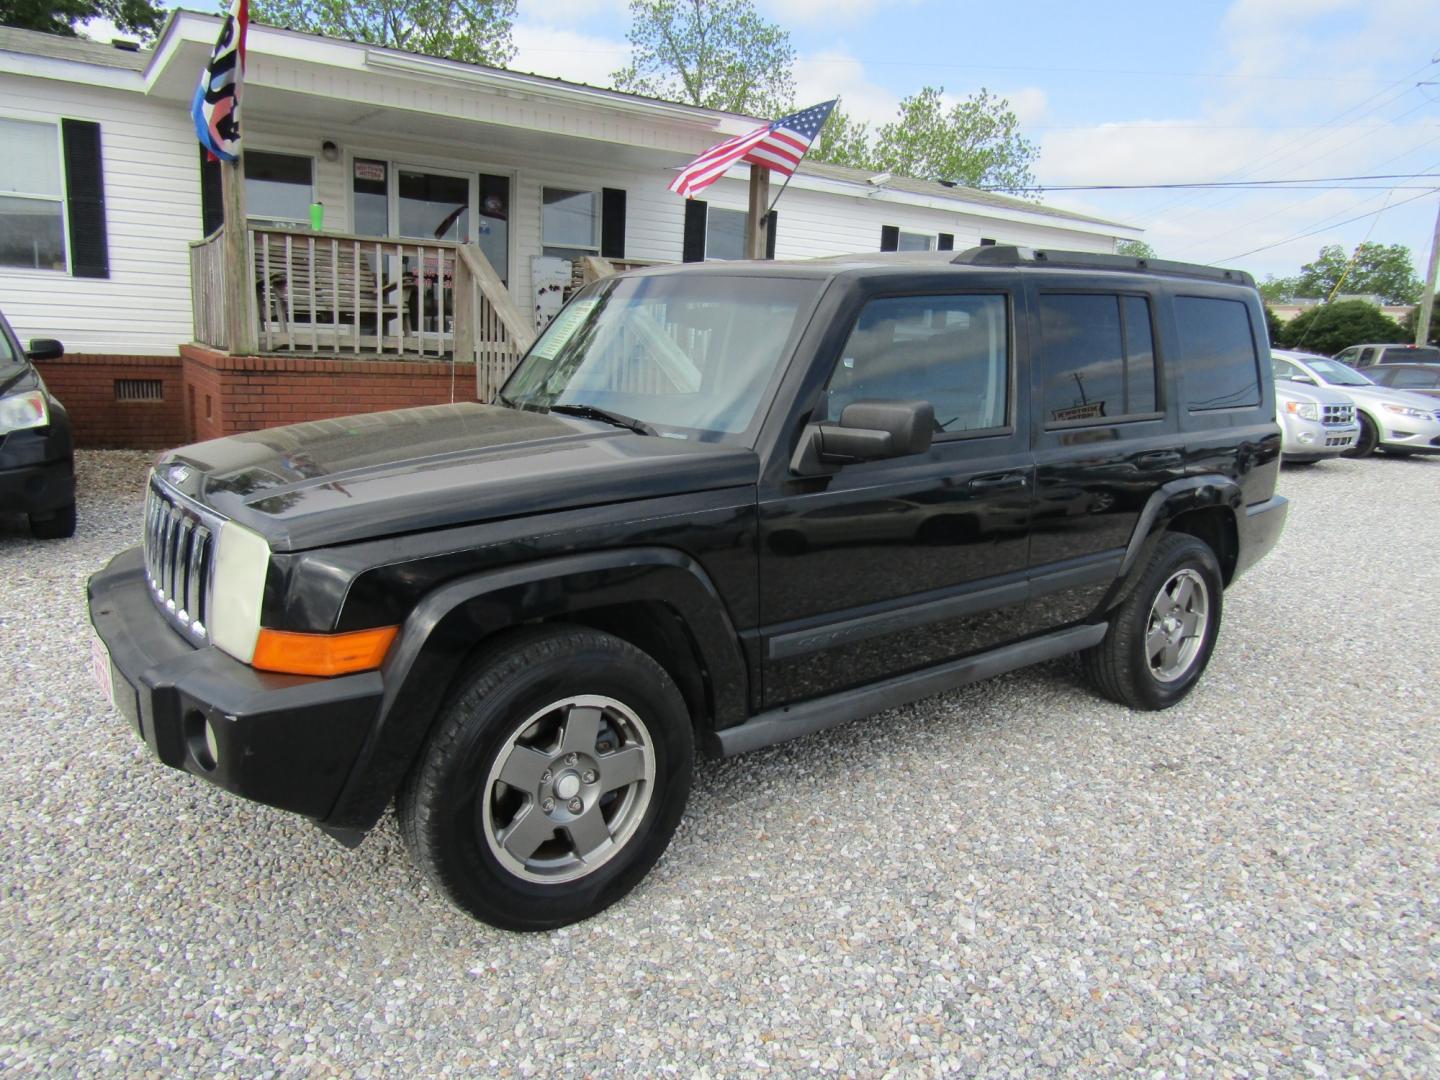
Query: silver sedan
column 1394, row 421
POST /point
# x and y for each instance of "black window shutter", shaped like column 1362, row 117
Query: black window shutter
column 987, row 241
column 85, row 199
column 770, row 223
column 612, row 223
column 212, row 211
column 695, row 214
column 947, row 242
column 889, row 237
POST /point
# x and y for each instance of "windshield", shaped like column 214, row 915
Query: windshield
column 10, row 355
column 1338, row 374
column 1412, row 354
column 689, row 355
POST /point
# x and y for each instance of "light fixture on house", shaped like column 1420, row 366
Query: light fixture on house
column 880, row 179
column 329, row 151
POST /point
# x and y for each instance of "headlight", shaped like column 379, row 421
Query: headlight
column 19, row 412
column 1305, row 410
column 242, row 559
column 1406, row 411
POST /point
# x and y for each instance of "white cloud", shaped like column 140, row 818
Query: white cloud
column 828, row 12
column 822, row 76
column 565, row 54
column 1030, row 105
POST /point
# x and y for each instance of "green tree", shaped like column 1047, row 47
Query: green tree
column 718, row 54
column 1136, row 249
column 1386, row 271
column 844, row 141
column 475, row 31
column 1278, row 290
column 1407, row 324
column 1329, row 328
column 975, row 142
column 1274, row 326
column 139, row 17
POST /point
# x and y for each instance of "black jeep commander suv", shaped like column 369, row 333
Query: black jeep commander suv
column 719, row 504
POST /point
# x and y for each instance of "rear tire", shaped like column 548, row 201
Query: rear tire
column 1163, row 633
column 58, row 525
column 552, row 781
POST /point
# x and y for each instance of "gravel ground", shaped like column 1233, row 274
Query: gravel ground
column 1015, row 878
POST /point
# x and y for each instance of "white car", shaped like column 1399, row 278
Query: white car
column 1390, row 420
column 1315, row 423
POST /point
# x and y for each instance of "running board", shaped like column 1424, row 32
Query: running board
column 807, row 717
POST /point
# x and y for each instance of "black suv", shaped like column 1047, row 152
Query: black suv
column 726, row 504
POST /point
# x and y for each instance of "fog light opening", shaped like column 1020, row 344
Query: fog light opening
column 202, row 740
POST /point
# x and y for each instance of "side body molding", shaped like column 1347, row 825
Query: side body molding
column 444, row 629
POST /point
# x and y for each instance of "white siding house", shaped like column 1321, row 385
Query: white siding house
column 382, row 138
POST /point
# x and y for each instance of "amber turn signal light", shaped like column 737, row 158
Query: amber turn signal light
column 322, row 654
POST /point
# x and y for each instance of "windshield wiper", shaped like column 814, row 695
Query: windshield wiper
column 594, row 412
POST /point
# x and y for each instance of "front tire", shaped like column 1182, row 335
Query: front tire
column 1366, row 441
column 56, row 525
column 552, row 782
column 1163, row 633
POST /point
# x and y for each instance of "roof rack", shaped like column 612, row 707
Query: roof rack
column 1013, row 255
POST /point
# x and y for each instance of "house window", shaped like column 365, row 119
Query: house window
column 910, row 241
column 570, row 223
column 279, row 188
column 725, row 233
column 370, row 197
column 32, row 197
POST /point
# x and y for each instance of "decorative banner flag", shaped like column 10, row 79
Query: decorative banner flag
column 777, row 146
column 216, row 107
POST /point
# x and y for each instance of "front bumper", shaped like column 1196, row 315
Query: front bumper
column 285, row 740
column 1310, row 440
column 1259, row 529
column 37, row 472
column 1408, row 433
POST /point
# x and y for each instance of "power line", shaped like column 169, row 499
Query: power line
column 1326, row 228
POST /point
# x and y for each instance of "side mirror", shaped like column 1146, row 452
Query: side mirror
column 867, row 431
column 1306, row 379
column 44, row 348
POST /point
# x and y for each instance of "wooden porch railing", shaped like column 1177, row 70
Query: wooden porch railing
column 336, row 294
column 490, row 328
column 207, row 290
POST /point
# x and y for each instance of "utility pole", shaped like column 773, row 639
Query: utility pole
column 1427, row 298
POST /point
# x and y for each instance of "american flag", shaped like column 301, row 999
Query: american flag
column 778, row 145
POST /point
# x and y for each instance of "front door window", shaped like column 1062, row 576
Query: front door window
column 433, row 206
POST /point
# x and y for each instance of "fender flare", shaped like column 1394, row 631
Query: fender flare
column 1164, row 505
column 443, row 630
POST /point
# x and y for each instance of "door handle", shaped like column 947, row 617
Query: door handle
column 1000, row 482
column 1159, row 459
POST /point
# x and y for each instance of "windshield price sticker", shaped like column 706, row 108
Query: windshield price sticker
column 563, row 329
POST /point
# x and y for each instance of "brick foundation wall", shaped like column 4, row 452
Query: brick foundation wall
column 225, row 395
column 92, row 388
column 205, row 394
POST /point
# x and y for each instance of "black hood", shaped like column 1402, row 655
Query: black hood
column 378, row 474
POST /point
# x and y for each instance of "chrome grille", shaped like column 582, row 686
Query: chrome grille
column 1338, row 414
column 179, row 554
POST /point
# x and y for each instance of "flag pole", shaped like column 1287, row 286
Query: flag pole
column 757, row 223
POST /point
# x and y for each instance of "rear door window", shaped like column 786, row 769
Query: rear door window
column 1099, row 358
column 1217, row 348
column 1415, row 378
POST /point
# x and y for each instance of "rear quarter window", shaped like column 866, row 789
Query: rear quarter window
column 1217, row 352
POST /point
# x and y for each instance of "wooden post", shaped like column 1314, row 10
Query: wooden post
column 240, row 330
column 757, row 225
column 1427, row 298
